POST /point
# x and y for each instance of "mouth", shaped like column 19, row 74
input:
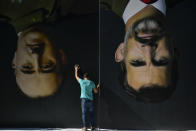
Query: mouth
column 145, row 36
column 33, row 45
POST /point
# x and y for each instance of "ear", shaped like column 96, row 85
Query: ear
column 63, row 56
column 14, row 61
column 119, row 55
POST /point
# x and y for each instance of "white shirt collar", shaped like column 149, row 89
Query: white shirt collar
column 134, row 6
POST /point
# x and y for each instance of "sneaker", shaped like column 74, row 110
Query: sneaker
column 92, row 128
column 84, row 129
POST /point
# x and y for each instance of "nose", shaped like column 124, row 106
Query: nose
column 146, row 50
column 35, row 52
column 35, row 49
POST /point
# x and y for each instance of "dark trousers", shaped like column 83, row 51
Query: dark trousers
column 87, row 107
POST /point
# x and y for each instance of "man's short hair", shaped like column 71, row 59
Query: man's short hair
column 140, row 26
column 86, row 75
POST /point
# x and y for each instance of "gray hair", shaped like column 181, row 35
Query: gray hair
column 146, row 25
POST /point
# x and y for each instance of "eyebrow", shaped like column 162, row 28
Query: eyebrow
column 163, row 61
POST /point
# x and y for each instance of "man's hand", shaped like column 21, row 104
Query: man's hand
column 77, row 67
column 98, row 86
column 96, row 90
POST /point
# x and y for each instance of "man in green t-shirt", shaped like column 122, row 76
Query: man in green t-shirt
column 87, row 89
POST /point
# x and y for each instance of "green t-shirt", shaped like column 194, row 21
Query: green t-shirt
column 86, row 88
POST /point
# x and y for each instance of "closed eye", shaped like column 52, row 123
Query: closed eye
column 161, row 62
column 27, row 69
column 137, row 63
column 49, row 67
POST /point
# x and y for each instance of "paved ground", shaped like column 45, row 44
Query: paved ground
column 67, row 129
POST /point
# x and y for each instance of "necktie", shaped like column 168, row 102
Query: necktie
column 148, row 1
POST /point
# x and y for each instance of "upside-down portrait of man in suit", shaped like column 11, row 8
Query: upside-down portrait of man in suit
column 41, row 90
column 176, row 111
column 147, row 56
column 39, row 63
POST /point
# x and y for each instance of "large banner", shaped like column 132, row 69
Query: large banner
column 97, row 64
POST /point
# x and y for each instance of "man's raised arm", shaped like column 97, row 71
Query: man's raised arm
column 76, row 71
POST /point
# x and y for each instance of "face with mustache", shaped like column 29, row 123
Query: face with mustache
column 145, row 55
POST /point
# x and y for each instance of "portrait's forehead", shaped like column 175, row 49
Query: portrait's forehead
column 150, row 76
column 38, row 85
column 36, row 81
